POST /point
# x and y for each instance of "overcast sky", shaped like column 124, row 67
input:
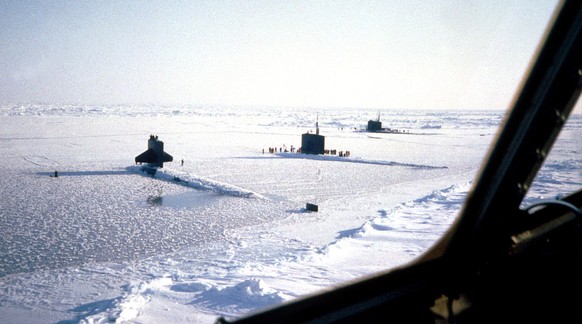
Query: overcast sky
column 378, row 54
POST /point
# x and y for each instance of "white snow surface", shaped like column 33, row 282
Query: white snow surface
column 227, row 233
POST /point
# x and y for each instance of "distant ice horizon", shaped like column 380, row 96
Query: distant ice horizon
column 227, row 233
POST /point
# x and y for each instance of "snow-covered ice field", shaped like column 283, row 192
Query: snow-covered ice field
column 226, row 233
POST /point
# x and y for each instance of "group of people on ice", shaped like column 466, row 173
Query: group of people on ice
column 340, row 153
column 292, row 149
column 283, row 149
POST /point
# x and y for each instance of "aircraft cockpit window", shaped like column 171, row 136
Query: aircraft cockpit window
column 561, row 172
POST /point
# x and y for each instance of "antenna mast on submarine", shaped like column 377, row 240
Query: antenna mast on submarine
column 317, row 125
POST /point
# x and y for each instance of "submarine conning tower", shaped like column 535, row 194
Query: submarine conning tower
column 375, row 125
column 313, row 143
column 154, row 155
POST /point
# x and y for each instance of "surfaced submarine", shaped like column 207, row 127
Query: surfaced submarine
column 154, row 155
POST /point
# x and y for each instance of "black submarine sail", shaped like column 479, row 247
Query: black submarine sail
column 155, row 155
column 375, row 125
column 313, row 143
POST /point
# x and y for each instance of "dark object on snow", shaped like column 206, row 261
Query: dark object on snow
column 155, row 154
column 312, row 144
column 56, row 174
column 311, row 207
column 374, row 125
